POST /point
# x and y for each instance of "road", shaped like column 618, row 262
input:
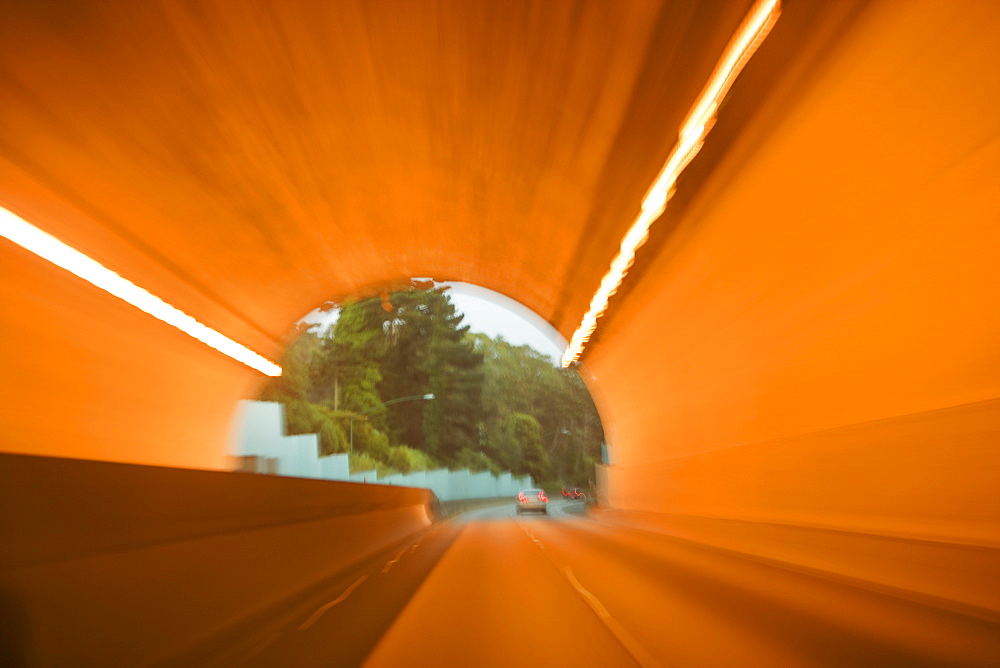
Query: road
column 493, row 589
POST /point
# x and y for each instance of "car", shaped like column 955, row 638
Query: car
column 532, row 499
column 574, row 493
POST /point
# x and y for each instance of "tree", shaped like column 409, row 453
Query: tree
column 497, row 406
column 295, row 382
column 520, row 447
column 348, row 369
column 455, row 377
column 518, row 379
column 426, row 353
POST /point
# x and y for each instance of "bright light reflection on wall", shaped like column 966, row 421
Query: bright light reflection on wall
column 46, row 246
column 698, row 124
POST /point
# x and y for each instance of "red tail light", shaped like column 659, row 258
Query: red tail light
column 543, row 497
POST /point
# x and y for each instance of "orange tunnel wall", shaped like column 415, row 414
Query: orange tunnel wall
column 89, row 377
column 818, row 343
column 814, row 342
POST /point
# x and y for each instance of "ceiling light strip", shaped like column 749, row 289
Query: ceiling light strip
column 692, row 135
column 45, row 245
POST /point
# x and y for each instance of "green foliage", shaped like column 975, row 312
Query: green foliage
column 348, row 368
column 425, row 352
column 520, row 380
column 302, row 417
column 332, row 440
column 406, row 459
column 369, row 440
column 520, row 446
column 295, row 382
column 497, row 406
column 361, row 461
column 468, row 458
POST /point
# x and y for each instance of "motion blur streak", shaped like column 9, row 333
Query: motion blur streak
column 494, row 599
column 621, row 590
column 46, row 246
column 698, row 124
column 801, row 376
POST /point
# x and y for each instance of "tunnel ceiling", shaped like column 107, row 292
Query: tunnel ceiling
column 248, row 161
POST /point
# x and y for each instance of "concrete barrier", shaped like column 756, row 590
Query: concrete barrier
column 169, row 559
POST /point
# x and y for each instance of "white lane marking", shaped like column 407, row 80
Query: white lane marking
column 594, row 602
column 624, row 637
column 631, row 645
column 340, row 599
column 537, row 542
column 392, row 561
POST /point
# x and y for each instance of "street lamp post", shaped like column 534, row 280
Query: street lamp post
column 421, row 397
column 555, row 439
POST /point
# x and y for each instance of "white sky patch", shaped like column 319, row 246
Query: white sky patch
column 494, row 314
column 321, row 317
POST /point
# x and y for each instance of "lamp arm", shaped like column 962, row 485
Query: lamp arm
column 396, row 401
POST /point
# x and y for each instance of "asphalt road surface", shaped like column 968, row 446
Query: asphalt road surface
column 491, row 588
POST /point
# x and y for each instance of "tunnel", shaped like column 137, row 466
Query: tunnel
column 800, row 366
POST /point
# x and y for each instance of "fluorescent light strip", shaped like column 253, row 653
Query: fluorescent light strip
column 45, row 245
column 697, row 125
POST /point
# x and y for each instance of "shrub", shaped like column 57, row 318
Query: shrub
column 360, row 461
column 468, row 458
column 407, row 459
column 332, row 439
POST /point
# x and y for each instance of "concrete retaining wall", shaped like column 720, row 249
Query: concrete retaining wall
column 259, row 445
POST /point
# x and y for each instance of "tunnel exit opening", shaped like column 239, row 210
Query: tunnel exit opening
column 406, row 384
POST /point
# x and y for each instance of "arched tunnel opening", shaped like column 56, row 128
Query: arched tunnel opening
column 772, row 252
column 423, row 376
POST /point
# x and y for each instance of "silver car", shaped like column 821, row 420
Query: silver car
column 532, row 499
